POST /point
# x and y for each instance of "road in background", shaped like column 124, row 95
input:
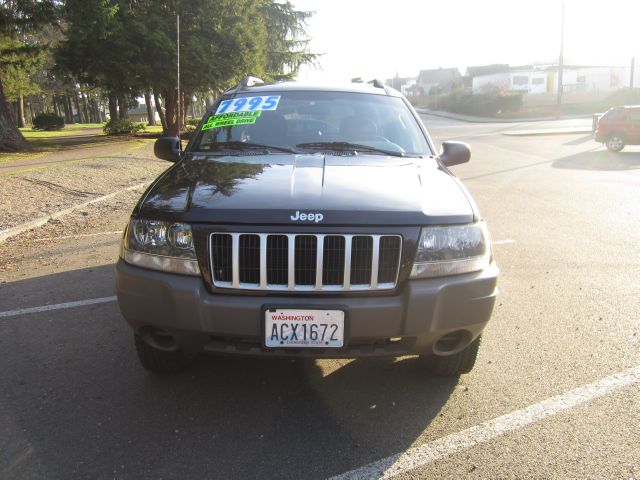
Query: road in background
column 565, row 216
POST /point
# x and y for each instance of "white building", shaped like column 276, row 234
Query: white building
column 538, row 80
column 525, row 81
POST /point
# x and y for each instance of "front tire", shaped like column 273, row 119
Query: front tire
column 456, row 364
column 161, row 361
column 615, row 143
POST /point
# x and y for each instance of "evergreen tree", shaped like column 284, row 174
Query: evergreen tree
column 18, row 20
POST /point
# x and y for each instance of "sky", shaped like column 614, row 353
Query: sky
column 375, row 39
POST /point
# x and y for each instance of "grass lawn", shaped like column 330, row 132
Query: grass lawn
column 68, row 130
column 14, row 157
column 152, row 129
column 71, row 137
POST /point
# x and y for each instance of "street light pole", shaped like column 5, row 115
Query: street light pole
column 633, row 66
column 561, row 59
column 178, row 105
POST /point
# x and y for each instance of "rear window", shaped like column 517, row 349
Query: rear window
column 633, row 115
column 614, row 114
column 288, row 119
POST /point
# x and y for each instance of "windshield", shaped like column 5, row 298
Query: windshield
column 312, row 121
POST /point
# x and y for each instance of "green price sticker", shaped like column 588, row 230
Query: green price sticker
column 231, row 119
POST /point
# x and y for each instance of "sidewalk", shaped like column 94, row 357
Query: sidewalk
column 566, row 125
column 120, row 146
column 473, row 119
column 547, row 131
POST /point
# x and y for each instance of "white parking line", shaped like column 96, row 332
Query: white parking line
column 57, row 306
column 80, row 235
column 446, row 446
column 38, row 222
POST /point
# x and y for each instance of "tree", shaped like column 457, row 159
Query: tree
column 128, row 47
column 98, row 51
column 16, row 78
column 286, row 40
column 18, row 19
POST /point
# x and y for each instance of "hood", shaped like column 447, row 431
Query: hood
column 320, row 189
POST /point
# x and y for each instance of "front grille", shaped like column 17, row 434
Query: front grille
column 303, row 262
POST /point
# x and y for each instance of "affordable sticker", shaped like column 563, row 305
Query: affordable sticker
column 231, row 119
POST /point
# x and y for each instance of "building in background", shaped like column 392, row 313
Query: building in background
column 439, row 81
column 543, row 79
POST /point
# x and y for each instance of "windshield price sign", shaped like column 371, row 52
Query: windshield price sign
column 249, row 104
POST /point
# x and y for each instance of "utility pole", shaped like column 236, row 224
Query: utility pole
column 179, row 112
column 561, row 59
column 633, row 66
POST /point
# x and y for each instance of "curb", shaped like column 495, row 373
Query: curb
column 38, row 222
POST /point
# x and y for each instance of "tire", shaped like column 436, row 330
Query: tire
column 615, row 143
column 456, row 364
column 161, row 361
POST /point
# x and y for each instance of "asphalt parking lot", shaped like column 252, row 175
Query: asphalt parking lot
column 555, row 392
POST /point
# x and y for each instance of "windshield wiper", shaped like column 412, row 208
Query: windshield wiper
column 346, row 146
column 236, row 145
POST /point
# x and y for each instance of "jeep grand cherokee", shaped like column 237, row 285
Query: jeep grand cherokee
column 308, row 221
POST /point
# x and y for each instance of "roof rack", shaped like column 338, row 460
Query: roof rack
column 248, row 81
column 376, row 82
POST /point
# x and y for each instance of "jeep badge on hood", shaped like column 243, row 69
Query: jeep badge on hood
column 309, row 217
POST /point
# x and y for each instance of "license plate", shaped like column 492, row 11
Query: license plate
column 287, row 328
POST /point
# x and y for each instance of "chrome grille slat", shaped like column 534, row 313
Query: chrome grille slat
column 263, row 261
column 375, row 262
column 292, row 260
column 346, row 282
column 370, row 260
column 235, row 260
column 319, row 260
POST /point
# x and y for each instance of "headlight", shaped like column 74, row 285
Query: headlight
column 161, row 246
column 451, row 250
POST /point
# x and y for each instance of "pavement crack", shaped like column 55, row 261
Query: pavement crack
column 58, row 187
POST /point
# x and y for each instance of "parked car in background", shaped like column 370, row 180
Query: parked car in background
column 618, row 127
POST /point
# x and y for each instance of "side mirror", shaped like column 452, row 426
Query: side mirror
column 167, row 148
column 454, row 153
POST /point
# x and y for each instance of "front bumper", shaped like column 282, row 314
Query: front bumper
column 415, row 317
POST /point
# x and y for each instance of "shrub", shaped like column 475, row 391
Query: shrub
column 482, row 105
column 48, row 121
column 121, row 126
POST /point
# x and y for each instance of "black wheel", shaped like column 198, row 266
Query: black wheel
column 456, row 364
column 161, row 361
column 615, row 143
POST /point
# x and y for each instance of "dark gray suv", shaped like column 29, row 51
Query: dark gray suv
column 308, row 221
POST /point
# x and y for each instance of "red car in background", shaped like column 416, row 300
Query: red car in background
column 619, row 126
